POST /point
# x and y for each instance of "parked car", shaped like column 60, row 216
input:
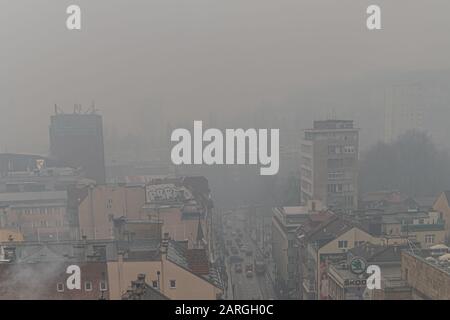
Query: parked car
column 235, row 259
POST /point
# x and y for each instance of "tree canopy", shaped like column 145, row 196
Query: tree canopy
column 412, row 164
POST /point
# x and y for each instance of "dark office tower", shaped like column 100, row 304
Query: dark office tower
column 77, row 141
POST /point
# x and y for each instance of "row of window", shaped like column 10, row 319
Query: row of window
column 343, row 244
column 87, row 286
column 329, row 135
column 172, row 284
column 340, row 187
column 50, row 210
column 430, row 238
column 44, row 223
column 341, row 149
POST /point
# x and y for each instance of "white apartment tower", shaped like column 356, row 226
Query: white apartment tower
column 329, row 164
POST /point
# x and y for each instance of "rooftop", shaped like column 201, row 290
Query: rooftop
column 32, row 196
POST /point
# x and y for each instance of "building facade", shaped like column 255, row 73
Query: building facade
column 427, row 275
column 76, row 140
column 329, row 164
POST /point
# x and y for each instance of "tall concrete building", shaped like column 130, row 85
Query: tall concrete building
column 77, row 141
column 329, row 164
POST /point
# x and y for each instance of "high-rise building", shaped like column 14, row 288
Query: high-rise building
column 77, row 141
column 329, row 164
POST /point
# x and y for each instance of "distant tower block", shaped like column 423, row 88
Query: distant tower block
column 77, row 141
column 403, row 110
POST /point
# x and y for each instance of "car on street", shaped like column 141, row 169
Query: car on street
column 238, row 268
column 235, row 259
column 249, row 274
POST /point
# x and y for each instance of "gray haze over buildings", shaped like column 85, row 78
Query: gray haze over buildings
column 151, row 66
column 193, row 58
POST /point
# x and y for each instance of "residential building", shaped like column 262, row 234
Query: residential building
column 347, row 284
column 427, row 274
column 327, row 244
column 425, row 228
column 141, row 290
column 184, row 207
column 37, row 216
column 442, row 204
column 174, row 270
column 98, row 206
column 285, row 223
column 43, row 179
column 38, row 271
column 33, row 270
column 329, row 164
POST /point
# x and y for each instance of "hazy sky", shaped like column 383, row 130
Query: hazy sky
column 191, row 56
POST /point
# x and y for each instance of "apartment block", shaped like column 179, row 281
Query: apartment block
column 329, row 164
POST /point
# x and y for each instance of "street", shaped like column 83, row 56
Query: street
column 256, row 287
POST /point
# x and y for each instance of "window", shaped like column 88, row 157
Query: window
column 429, row 238
column 173, row 284
column 103, row 286
column 349, row 149
column 348, row 200
column 88, row 286
column 342, row 244
column 336, row 175
column 335, row 188
column 109, row 204
column 60, row 287
column 155, row 284
column 334, row 149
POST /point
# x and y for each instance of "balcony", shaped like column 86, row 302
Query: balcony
column 423, row 227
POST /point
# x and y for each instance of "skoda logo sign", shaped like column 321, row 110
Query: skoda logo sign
column 358, row 265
